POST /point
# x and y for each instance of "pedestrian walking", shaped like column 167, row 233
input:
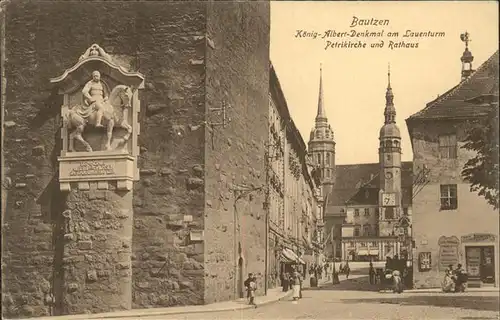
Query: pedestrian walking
column 251, row 285
column 347, row 270
column 398, row 284
column 371, row 273
column 285, row 281
column 300, row 286
column 295, row 285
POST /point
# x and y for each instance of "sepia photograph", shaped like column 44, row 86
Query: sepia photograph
column 206, row 160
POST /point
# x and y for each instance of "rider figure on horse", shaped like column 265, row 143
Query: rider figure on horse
column 94, row 96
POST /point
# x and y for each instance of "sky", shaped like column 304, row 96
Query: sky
column 355, row 79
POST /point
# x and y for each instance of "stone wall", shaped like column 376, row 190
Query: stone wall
column 168, row 200
column 189, row 170
column 96, row 260
column 237, row 63
column 473, row 214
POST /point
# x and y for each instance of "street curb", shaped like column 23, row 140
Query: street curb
column 152, row 312
column 441, row 291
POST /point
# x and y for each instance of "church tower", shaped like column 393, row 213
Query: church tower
column 390, row 166
column 322, row 144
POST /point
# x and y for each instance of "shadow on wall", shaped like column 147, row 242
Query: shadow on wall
column 448, row 301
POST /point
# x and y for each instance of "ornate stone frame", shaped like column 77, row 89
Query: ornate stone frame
column 81, row 167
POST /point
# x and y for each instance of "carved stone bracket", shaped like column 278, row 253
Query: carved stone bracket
column 100, row 121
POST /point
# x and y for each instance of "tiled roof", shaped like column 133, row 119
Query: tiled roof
column 454, row 104
column 360, row 184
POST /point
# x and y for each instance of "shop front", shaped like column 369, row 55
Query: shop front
column 480, row 259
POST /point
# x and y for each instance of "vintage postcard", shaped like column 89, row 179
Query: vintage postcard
column 249, row 159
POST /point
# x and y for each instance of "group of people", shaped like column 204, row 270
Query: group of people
column 293, row 280
column 394, row 276
column 317, row 270
column 454, row 280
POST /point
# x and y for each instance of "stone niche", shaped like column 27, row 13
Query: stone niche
column 100, row 121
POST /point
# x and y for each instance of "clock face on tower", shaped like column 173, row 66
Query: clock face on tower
column 388, row 175
column 388, row 199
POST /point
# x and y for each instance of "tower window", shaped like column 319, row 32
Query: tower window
column 328, row 158
column 389, row 213
column 448, row 146
column 449, row 200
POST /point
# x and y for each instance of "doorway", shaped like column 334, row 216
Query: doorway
column 480, row 264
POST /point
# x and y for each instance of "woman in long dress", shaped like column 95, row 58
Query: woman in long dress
column 296, row 285
column 448, row 283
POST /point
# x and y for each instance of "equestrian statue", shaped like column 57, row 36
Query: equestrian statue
column 98, row 107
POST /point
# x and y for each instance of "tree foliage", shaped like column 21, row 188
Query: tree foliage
column 482, row 170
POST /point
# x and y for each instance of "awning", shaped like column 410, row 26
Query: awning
column 362, row 252
column 373, row 252
column 289, row 255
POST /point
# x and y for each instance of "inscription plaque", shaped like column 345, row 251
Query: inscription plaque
column 448, row 251
column 92, row 168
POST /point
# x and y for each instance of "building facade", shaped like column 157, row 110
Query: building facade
column 163, row 239
column 295, row 226
column 370, row 206
column 451, row 223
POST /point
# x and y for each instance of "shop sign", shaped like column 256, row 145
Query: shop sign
column 479, row 237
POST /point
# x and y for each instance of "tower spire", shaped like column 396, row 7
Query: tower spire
column 389, row 96
column 389, row 76
column 321, row 109
column 390, row 111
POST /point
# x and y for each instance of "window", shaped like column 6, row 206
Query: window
column 374, row 244
column 405, row 211
column 366, row 230
column 389, row 213
column 356, row 212
column 328, row 159
column 377, row 211
column 449, row 197
column 367, row 211
column 448, row 146
column 356, row 231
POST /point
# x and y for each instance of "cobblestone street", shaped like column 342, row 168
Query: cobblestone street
column 357, row 299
